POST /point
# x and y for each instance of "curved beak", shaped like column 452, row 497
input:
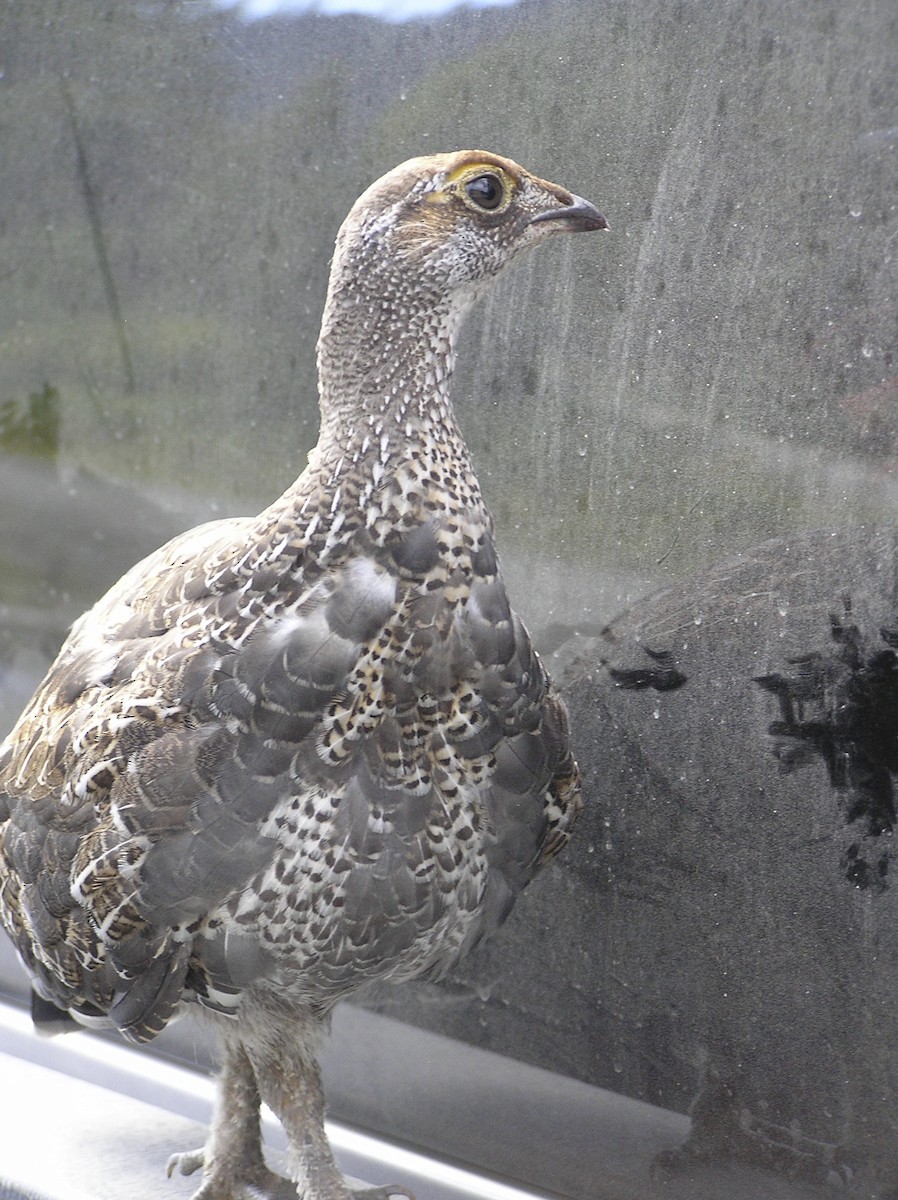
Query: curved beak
column 579, row 216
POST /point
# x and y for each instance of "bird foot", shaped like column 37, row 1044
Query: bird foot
column 382, row 1193
column 226, row 1184
column 185, row 1163
column 264, row 1184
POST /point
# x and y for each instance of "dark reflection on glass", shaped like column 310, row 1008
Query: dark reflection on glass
column 691, row 465
column 753, row 802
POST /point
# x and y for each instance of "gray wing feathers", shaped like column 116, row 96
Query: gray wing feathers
column 188, row 710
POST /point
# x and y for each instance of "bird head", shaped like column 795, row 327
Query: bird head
column 448, row 223
column 417, row 248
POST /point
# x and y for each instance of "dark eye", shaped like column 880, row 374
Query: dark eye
column 486, row 191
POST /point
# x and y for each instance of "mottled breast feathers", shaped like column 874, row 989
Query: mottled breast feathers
column 367, row 758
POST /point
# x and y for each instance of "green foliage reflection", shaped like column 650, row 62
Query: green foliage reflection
column 31, row 429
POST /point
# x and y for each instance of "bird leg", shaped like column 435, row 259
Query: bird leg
column 290, row 1084
column 232, row 1162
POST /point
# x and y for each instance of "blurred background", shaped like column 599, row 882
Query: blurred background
column 715, row 381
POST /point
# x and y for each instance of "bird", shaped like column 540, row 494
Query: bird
column 291, row 754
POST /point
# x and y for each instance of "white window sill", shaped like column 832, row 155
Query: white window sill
column 86, row 1118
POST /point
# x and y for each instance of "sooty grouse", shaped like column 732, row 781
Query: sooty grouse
column 289, row 754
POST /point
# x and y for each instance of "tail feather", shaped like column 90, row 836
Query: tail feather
column 49, row 1019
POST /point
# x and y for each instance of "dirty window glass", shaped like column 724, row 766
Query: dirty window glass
column 686, row 430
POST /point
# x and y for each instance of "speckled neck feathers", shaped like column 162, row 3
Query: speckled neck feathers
column 385, row 357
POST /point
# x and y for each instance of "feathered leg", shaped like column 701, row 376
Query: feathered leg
column 286, row 1074
column 290, row 1084
column 232, row 1162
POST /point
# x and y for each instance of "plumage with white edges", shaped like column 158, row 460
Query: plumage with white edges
column 289, row 754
